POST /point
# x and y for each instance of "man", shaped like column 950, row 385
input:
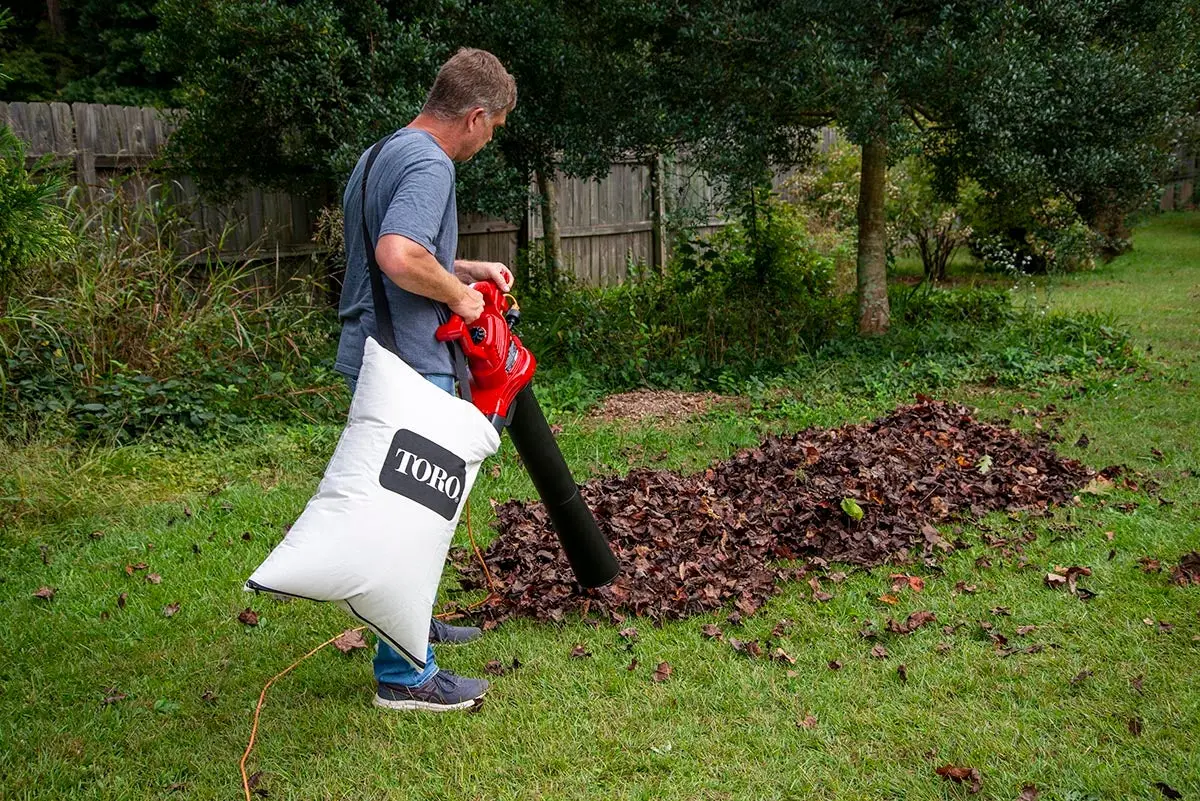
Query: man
column 412, row 219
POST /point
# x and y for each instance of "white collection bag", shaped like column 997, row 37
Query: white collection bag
column 375, row 536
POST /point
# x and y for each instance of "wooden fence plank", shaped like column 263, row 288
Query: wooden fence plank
column 41, row 129
column 62, row 126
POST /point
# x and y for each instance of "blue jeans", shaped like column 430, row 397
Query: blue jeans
column 390, row 667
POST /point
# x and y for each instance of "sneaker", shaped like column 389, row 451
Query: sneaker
column 441, row 692
column 440, row 632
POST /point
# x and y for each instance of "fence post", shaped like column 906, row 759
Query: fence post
column 658, row 214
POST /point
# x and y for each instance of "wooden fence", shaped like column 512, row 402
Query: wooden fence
column 1181, row 191
column 603, row 224
column 105, row 144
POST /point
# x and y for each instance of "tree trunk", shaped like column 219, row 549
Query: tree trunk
column 658, row 215
column 873, row 313
column 551, row 240
column 520, row 265
column 54, row 15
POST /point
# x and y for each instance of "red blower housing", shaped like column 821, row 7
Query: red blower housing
column 500, row 365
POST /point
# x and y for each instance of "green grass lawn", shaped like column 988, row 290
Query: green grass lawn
column 722, row 726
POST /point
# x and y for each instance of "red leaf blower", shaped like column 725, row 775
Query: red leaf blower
column 501, row 371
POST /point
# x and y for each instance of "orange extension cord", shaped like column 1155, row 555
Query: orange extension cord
column 262, row 697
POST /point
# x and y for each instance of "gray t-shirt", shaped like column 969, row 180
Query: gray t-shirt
column 410, row 191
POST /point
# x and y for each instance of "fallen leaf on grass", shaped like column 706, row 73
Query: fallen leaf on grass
column 45, row 593
column 111, row 696
column 1135, row 727
column 1028, row 793
column 208, row 697
column 817, row 593
column 170, row 609
column 1066, row 577
column 751, row 648
column 630, row 634
column 902, row 580
column 912, row 623
column 964, row 587
column 662, row 672
column 1136, row 681
column 902, row 672
column 349, row 640
column 177, row 787
column 711, row 632
column 781, row 628
column 808, row 722
column 632, row 666
column 961, row 775
column 1168, row 790
column 780, row 655
column 889, row 599
column 130, row 568
column 1023, row 630
column 248, row 617
column 1188, row 570
column 121, row 599
column 1080, row 676
column 1150, row 564
column 255, row 784
column 879, row 652
column 835, row 664
column 154, row 578
column 1036, row 648
column 1098, row 486
column 579, row 652
column 1000, row 611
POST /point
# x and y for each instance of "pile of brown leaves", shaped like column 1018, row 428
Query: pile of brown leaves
column 863, row 494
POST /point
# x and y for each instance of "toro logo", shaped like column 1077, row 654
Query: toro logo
column 425, row 472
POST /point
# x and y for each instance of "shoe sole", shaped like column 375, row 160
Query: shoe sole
column 427, row 706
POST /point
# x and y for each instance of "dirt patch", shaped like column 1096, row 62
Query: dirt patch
column 656, row 403
column 861, row 494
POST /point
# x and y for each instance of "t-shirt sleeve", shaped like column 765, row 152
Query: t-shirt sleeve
column 417, row 208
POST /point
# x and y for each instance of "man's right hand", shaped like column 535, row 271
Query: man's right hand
column 469, row 305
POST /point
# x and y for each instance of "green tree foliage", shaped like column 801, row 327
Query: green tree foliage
column 288, row 94
column 82, row 51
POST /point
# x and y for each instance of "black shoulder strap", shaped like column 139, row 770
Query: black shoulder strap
column 384, row 330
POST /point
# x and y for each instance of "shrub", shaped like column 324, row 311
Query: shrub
column 137, row 334
column 707, row 319
column 32, row 224
column 1022, row 236
column 919, row 217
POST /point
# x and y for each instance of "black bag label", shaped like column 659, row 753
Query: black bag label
column 425, row 472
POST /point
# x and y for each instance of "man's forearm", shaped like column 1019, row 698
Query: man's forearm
column 424, row 275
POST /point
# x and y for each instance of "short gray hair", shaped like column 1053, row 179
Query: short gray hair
column 471, row 79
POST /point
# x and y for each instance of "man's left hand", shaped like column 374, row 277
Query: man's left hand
column 492, row 271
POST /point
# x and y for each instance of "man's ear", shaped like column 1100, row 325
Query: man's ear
column 476, row 117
